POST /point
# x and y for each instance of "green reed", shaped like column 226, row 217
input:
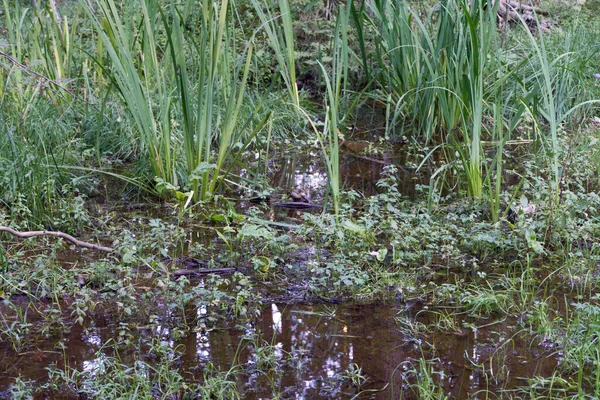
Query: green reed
column 139, row 77
column 279, row 29
column 436, row 69
column 192, row 93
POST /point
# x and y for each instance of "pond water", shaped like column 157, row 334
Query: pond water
column 361, row 165
column 312, row 349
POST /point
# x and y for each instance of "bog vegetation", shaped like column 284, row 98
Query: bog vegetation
column 162, row 134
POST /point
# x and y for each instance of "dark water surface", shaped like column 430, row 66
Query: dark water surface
column 312, row 347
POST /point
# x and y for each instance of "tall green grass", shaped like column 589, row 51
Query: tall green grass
column 478, row 34
column 553, row 100
column 191, row 95
column 40, row 49
column 38, row 116
column 335, row 82
column 181, row 75
column 139, row 77
column 11, row 77
column 436, row 69
column 279, row 29
column 418, row 64
column 449, row 75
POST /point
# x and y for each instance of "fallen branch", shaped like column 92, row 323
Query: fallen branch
column 297, row 205
column 62, row 235
column 200, row 272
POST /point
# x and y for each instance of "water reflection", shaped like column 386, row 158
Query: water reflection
column 359, row 171
column 313, row 346
column 303, row 351
column 276, row 315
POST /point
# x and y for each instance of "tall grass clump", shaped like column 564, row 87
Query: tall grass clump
column 38, row 115
column 449, row 75
column 416, row 63
column 551, row 92
column 12, row 84
column 280, row 32
column 38, row 57
column 35, row 189
column 478, row 39
column 184, row 88
column 335, row 84
column 139, row 77
column 54, row 46
column 220, row 83
column 436, row 70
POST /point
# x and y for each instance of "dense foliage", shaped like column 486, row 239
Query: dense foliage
column 143, row 124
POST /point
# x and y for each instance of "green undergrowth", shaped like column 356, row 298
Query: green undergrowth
column 384, row 247
column 142, row 126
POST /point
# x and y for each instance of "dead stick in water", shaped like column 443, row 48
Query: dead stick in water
column 62, row 235
column 198, row 272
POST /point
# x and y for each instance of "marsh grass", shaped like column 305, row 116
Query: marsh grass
column 423, row 62
column 481, row 36
column 14, row 21
column 280, row 31
column 162, row 89
column 172, row 103
column 216, row 82
column 437, row 68
column 426, row 385
column 109, row 377
column 335, row 84
column 552, row 88
column 37, row 129
column 139, row 83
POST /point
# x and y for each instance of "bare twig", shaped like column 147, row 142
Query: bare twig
column 200, row 272
column 32, row 72
column 44, row 79
column 62, row 235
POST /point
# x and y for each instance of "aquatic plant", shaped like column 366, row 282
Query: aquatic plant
column 210, row 95
column 102, row 89
column 279, row 29
column 329, row 138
